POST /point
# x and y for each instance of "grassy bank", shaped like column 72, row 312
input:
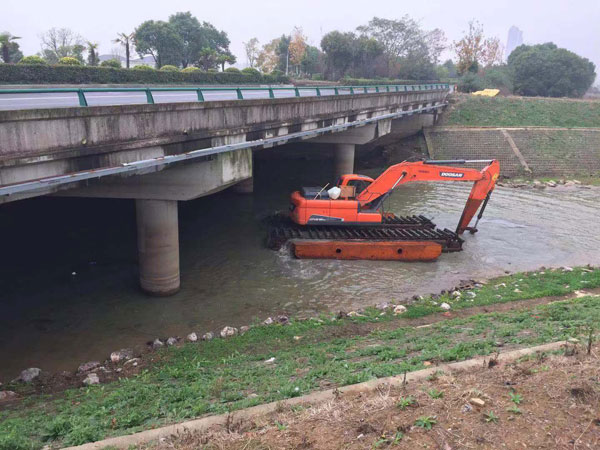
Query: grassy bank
column 522, row 112
column 228, row 374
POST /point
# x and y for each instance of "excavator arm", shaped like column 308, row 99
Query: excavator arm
column 406, row 172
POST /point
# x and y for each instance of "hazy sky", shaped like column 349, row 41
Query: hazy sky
column 571, row 24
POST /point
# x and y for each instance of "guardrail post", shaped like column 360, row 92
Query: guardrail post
column 239, row 94
column 387, row 88
column 318, row 92
column 82, row 99
column 271, row 93
column 351, row 90
column 376, row 88
column 297, row 92
column 200, row 95
column 335, row 90
column 149, row 97
column 396, row 88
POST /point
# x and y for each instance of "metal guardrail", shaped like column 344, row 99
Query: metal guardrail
column 337, row 90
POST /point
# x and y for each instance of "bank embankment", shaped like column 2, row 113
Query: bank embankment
column 542, row 400
column 289, row 357
column 531, row 137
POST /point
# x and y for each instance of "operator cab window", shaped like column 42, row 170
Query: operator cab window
column 359, row 185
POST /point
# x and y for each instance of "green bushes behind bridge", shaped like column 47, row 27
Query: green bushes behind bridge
column 63, row 74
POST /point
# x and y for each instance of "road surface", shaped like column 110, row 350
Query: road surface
column 70, row 99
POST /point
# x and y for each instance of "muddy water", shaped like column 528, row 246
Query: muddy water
column 68, row 288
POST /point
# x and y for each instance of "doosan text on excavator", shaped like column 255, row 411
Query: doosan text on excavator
column 348, row 221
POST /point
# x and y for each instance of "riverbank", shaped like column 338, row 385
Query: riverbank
column 476, row 111
column 292, row 357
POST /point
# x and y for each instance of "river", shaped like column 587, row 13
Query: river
column 68, row 282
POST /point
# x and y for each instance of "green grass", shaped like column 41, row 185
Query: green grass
column 522, row 112
column 225, row 375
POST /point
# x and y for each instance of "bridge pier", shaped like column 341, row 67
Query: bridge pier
column 158, row 246
column 343, row 159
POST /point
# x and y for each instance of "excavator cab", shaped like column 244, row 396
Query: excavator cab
column 352, row 185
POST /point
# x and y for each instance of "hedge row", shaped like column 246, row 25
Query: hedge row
column 42, row 74
column 371, row 82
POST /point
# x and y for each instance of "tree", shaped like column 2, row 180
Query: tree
column 225, row 58
column 125, row 39
column 411, row 52
column 493, row 52
column 268, row 59
column 365, row 53
column 9, row 49
column 339, row 49
column 399, row 38
column 297, row 48
column 92, row 53
column 160, row 40
column 191, row 36
column 283, row 53
column 252, row 52
column 436, row 43
column 312, row 60
column 59, row 43
column 470, row 49
column 549, row 71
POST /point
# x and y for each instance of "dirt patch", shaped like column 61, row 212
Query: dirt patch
column 546, row 402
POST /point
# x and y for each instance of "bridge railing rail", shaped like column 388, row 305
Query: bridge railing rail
column 202, row 92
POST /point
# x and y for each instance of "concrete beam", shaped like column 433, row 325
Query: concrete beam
column 180, row 182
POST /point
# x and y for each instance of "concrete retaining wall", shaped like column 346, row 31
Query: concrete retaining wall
column 545, row 151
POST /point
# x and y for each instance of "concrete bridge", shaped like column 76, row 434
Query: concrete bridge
column 159, row 154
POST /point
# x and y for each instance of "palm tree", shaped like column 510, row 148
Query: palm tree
column 125, row 39
column 5, row 40
column 92, row 54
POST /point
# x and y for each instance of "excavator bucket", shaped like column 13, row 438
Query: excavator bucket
column 480, row 193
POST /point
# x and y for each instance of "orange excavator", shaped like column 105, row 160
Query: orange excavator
column 348, row 221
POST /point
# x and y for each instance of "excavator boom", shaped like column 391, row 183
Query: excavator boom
column 407, row 172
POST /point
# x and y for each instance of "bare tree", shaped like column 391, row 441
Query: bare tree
column 126, row 40
column 252, row 51
column 61, row 42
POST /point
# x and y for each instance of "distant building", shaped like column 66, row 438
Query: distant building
column 515, row 38
column 145, row 61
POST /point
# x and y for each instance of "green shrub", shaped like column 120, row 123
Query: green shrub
column 317, row 77
column 114, row 63
column 251, row 71
column 33, row 59
column 211, row 70
column 470, row 82
column 232, row 70
column 169, row 68
column 191, row 69
column 498, row 78
column 60, row 74
column 142, row 67
column 69, row 61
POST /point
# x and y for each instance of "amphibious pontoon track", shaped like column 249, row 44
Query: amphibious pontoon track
column 410, row 228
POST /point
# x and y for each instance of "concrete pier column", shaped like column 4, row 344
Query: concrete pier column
column 158, row 246
column 244, row 187
column 343, row 159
